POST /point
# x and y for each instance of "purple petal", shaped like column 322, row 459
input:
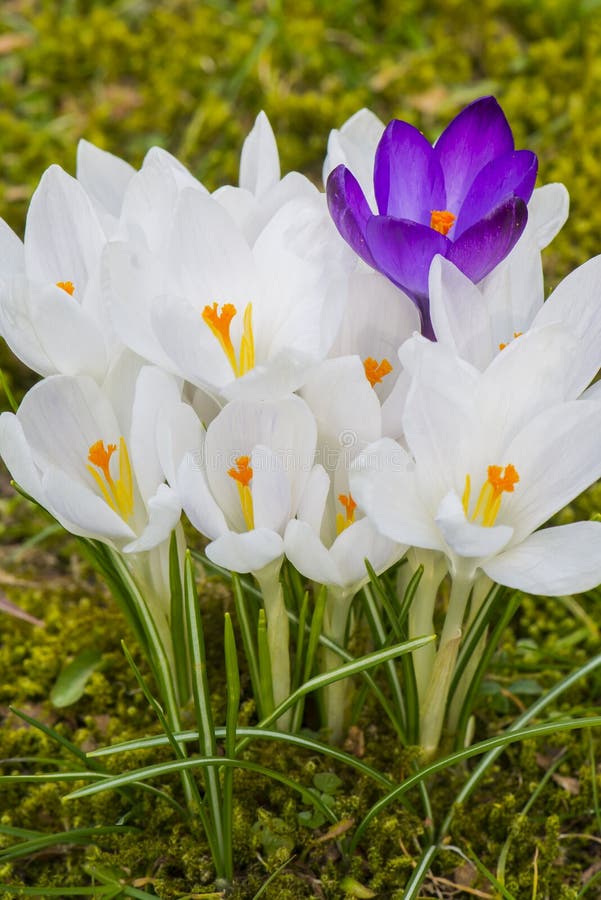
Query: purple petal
column 403, row 252
column 349, row 210
column 512, row 175
column 408, row 180
column 476, row 136
column 487, row 243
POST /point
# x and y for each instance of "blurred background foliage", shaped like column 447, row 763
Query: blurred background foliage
column 191, row 76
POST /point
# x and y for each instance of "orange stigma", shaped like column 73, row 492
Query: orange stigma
column 100, row 456
column 219, row 322
column 375, row 371
column 67, row 286
column 516, row 334
column 501, row 480
column 242, row 472
column 441, row 220
column 343, row 520
column 118, row 492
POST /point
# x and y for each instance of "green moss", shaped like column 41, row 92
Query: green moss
column 191, row 77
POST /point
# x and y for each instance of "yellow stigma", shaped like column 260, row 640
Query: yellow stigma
column 343, row 520
column 119, row 492
column 67, row 286
column 375, row 371
column 219, row 322
column 441, row 220
column 242, row 474
column 516, row 334
column 500, row 480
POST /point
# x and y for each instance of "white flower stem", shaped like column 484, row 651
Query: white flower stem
column 421, row 613
column 336, row 696
column 482, row 586
column 278, row 635
column 435, row 701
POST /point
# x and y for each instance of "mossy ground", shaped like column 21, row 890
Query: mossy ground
column 191, row 76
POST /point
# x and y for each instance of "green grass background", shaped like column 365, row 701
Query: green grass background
column 191, row 77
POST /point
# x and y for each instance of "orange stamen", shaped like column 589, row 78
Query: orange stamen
column 242, row 473
column 441, row 220
column 67, row 286
column 516, row 334
column 375, row 371
column 501, row 480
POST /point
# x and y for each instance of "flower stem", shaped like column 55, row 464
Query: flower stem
column 421, row 614
column 278, row 635
column 336, row 695
column 432, row 717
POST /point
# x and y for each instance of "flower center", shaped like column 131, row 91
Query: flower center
column 67, row 286
column 343, row 520
column 242, row 474
column 516, row 334
column 219, row 322
column 441, row 220
column 375, row 371
column 119, row 492
column 500, row 480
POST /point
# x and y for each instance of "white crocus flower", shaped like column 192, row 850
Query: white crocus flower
column 240, row 483
column 330, row 539
column 89, row 457
column 51, row 313
column 234, row 320
column 492, row 457
column 91, row 463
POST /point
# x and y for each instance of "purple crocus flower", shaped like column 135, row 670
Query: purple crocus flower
column 464, row 198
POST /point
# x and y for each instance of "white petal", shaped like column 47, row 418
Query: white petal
column 131, row 277
column 554, row 561
column 557, row 456
column 575, row 305
column 196, row 498
column 81, row 510
column 104, row 176
column 208, row 255
column 247, row 552
column 307, row 554
column 259, row 160
column 63, row 237
column 354, row 145
column 466, row 539
column 16, row 453
column 12, row 253
column 360, row 542
column 62, row 417
column 169, row 165
column 344, row 404
column 179, row 433
column 270, row 489
column 547, row 212
column 312, row 505
column 155, row 392
column 385, row 487
column 459, row 314
column 164, row 511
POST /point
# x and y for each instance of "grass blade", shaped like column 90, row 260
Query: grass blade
column 204, row 715
column 178, row 623
column 232, row 680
